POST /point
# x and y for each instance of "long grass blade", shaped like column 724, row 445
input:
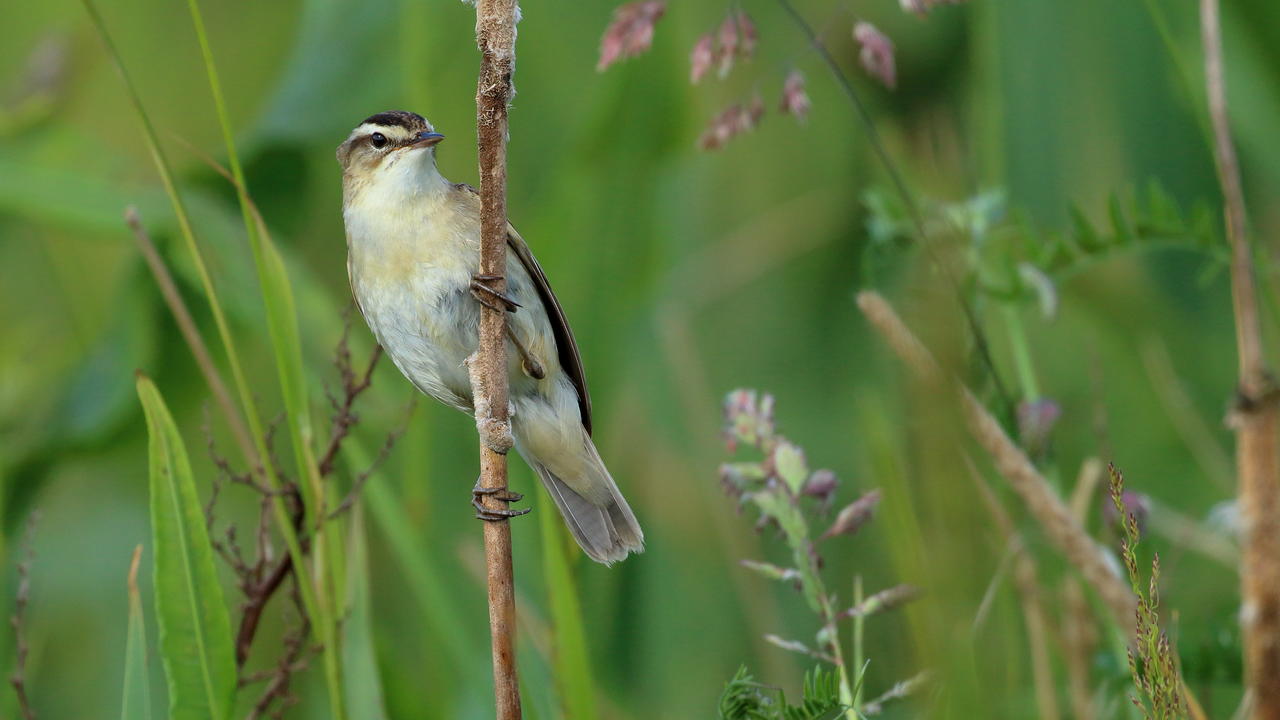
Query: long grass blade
column 195, row 628
column 282, row 324
column 324, row 628
column 136, row 704
column 363, row 685
column 569, row 649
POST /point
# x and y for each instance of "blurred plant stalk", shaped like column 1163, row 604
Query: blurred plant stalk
column 1041, row 500
column 1256, row 417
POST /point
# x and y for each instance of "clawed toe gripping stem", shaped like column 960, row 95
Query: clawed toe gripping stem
column 489, row 297
column 489, row 514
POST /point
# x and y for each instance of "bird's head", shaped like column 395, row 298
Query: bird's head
column 392, row 141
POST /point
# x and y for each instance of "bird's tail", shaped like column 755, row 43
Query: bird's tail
column 593, row 508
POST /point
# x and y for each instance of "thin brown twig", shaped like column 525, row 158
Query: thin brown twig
column 191, row 334
column 1256, row 419
column 261, row 580
column 358, row 483
column 496, row 38
column 1037, row 494
column 279, row 678
column 344, row 417
column 23, row 596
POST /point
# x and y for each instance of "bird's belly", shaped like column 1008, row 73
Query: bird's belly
column 427, row 323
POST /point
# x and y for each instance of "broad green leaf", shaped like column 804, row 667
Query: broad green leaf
column 195, row 630
column 569, row 645
column 136, row 704
column 360, row 662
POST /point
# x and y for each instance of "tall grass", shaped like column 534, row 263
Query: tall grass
column 282, row 321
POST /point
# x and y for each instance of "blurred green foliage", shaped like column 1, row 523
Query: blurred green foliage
column 685, row 274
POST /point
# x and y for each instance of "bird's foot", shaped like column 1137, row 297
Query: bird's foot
column 487, row 514
column 488, row 296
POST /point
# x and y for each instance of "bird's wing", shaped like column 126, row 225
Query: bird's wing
column 570, row 360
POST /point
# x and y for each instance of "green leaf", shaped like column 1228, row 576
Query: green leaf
column 136, row 704
column 570, row 657
column 195, row 630
column 789, row 462
column 360, row 662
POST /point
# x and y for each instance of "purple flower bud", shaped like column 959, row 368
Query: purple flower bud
column 1135, row 503
column 821, row 485
column 854, row 515
column 1035, row 423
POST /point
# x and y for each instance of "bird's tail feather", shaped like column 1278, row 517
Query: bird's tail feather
column 606, row 530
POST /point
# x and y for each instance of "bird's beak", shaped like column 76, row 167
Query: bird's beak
column 426, row 139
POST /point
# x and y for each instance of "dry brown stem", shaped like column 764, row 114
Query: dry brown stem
column 1257, row 416
column 496, row 37
column 190, row 333
column 1037, row 494
column 261, row 579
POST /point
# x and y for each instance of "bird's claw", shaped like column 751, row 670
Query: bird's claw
column 489, row 297
column 489, row 514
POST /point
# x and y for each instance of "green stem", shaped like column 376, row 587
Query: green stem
column 1021, row 354
column 857, row 643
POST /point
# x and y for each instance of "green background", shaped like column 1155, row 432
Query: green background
column 685, row 274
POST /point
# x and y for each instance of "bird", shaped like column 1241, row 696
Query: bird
column 413, row 249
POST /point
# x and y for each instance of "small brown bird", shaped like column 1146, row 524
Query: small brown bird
column 413, row 244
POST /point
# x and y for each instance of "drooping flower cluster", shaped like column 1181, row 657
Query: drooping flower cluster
column 731, row 122
column 875, row 52
column 631, row 32
column 735, row 38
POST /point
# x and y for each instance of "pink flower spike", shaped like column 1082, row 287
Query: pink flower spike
column 630, row 33
column 701, row 59
column 876, row 53
column 727, row 51
column 795, row 101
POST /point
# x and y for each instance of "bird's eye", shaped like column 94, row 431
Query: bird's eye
column 378, row 140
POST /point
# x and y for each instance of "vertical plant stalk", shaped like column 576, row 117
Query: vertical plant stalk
column 496, row 37
column 1257, row 414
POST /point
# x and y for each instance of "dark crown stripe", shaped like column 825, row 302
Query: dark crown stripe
column 400, row 118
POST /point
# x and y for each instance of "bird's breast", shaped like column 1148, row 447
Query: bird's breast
column 410, row 270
